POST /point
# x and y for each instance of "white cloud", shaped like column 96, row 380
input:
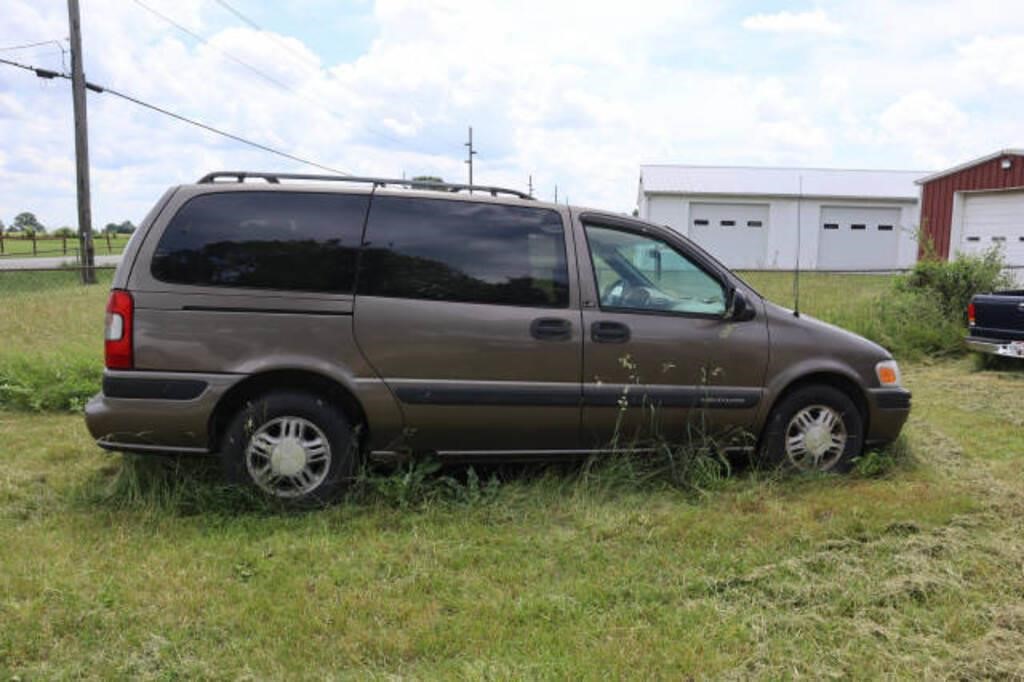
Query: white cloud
column 994, row 60
column 814, row 21
column 920, row 119
column 579, row 99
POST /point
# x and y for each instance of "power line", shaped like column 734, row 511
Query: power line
column 259, row 72
column 195, row 36
column 295, row 53
column 46, row 73
column 306, row 62
column 28, row 45
column 210, row 128
column 41, row 43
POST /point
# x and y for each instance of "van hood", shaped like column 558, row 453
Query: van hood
column 817, row 336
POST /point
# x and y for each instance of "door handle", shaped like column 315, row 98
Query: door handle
column 551, row 329
column 606, row 331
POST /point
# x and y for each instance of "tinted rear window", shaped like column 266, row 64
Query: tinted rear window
column 466, row 252
column 264, row 240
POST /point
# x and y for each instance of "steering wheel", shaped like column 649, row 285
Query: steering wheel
column 637, row 297
column 609, row 296
column 620, row 293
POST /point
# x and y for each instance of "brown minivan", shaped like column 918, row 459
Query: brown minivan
column 294, row 324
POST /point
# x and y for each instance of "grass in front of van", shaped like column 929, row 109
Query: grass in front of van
column 114, row 567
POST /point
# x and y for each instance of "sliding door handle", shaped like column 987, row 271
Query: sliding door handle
column 551, row 329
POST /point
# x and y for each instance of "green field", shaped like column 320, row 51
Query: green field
column 20, row 247
column 121, row 568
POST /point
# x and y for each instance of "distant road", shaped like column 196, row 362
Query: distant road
column 56, row 262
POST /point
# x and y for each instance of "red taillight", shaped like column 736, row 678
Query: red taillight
column 118, row 346
column 970, row 314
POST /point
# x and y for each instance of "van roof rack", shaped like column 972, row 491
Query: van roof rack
column 275, row 178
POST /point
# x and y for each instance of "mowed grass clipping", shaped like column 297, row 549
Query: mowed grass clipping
column 913, row 574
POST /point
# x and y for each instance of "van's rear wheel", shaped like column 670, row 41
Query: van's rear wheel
column 292, row 446
column 815, row 428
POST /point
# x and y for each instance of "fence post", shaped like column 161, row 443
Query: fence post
column 64, row 244
column 33, row 234
column 108, row 243
column 1, row 241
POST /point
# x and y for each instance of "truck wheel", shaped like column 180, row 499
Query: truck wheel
column 292, row 446
column 815, row 428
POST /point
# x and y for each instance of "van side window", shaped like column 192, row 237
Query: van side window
column 464, row 252
column 264, row 240
column 635, row 272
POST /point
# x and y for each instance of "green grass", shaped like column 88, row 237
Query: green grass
column 110, row 570
column 114, row 567
column 824, row 295
column 51, row 349
column 20, row 247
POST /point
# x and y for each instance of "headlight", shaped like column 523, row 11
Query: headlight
column 888, row 373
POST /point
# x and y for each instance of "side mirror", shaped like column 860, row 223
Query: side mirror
column 739, row 309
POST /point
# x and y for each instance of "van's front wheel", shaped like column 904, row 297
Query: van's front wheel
column 292, row 446
column 815, row 428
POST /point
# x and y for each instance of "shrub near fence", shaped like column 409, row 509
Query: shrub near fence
column 20, row 246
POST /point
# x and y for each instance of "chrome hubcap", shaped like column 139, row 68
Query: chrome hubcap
column 288, row 456
column 815, row 438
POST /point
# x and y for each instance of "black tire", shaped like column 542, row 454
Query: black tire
column 266, row 415
column 773, row 442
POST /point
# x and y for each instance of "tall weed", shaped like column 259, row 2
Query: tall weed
column 952, row 284
column 62, row 382
column 923, row 313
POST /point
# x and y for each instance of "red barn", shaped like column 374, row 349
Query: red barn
column 974, row 206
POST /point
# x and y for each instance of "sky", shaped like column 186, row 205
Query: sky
column 576, row 94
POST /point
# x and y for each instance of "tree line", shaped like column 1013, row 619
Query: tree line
column 26, row 224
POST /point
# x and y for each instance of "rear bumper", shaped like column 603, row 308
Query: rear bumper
column 889, row 409
column 994, row 346
column 156, row 412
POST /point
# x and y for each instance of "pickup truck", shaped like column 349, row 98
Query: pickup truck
column 996, row 323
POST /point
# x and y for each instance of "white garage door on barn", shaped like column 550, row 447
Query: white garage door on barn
column 994, row 219
column 733, row 233
column 858, row 238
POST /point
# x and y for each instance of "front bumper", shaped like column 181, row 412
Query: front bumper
column 889, row 409
column 156, row 412
column 1008, row 349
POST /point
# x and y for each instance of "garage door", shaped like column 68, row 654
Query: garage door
column 994, row 219
column 733, row 233
column 858, row 238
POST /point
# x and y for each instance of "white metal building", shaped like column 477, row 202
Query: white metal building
column 749, row 217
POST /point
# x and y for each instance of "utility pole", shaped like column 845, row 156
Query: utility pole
column 469, row 157
column 531, row 186
column 556, row 194
column 85, row 247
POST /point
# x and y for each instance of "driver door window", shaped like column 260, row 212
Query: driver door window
column 637, row 272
